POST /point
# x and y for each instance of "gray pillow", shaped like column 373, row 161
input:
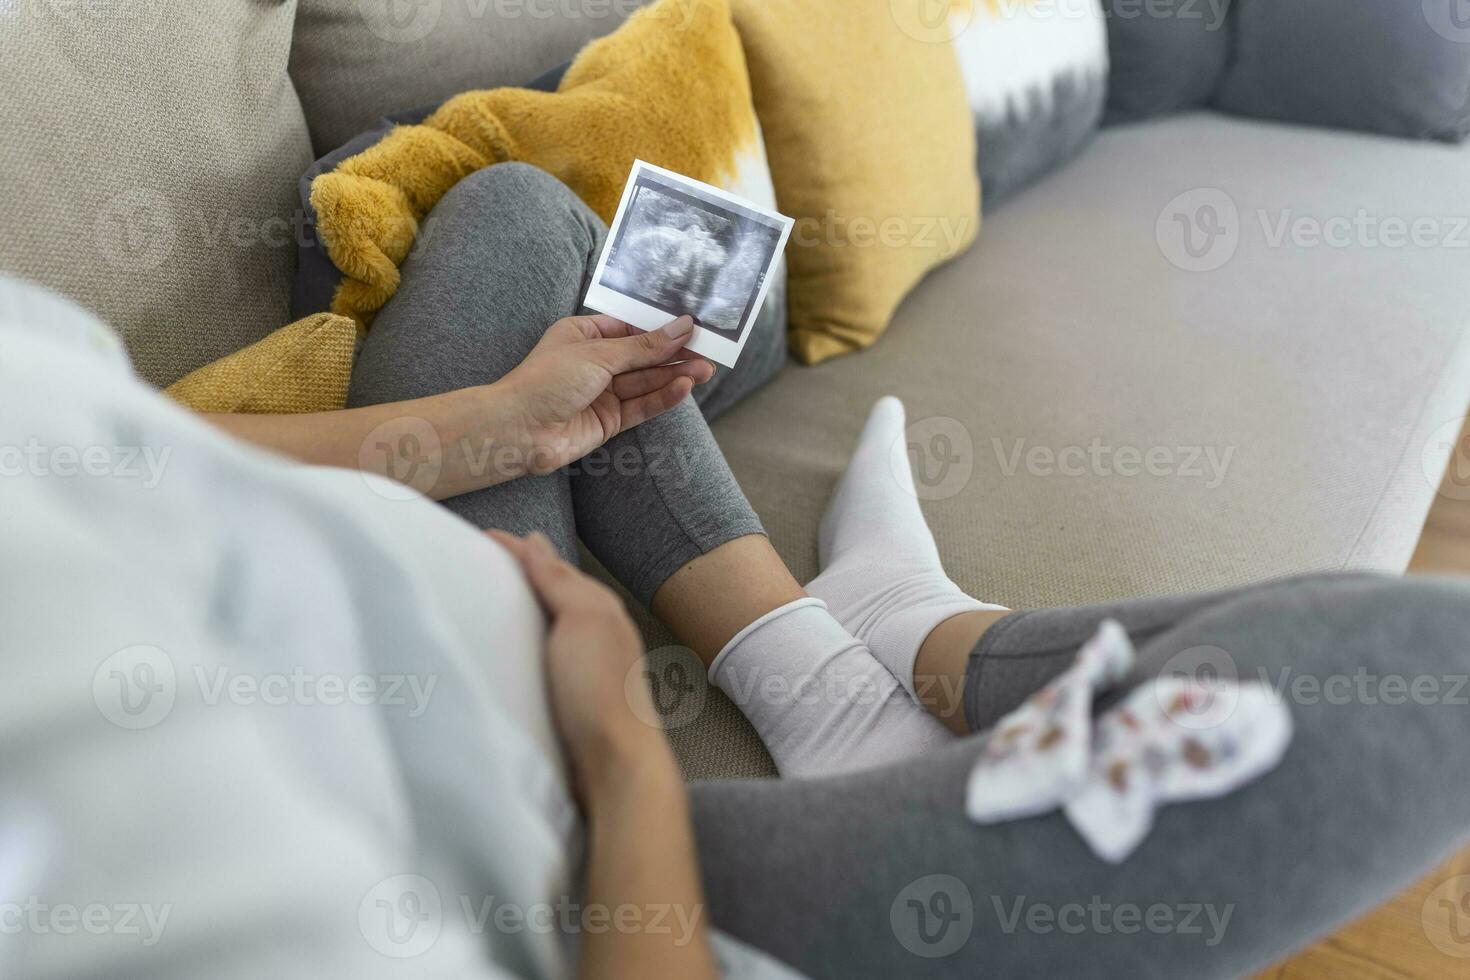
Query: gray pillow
column 353, row 61
column 1166, row 55
column 1399, row 67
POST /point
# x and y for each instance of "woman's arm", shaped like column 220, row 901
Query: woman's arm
column 642, row 873
column 588, row 379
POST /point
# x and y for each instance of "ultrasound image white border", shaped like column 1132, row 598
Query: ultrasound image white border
column 678, row 247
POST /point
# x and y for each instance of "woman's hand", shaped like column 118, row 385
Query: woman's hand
column 594, row 655
column 591, row 377
column 640, row 842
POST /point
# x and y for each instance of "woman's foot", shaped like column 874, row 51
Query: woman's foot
column 881, row 575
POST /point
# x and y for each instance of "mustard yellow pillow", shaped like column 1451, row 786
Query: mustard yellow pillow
column 872, row 148
column 303, row 367
column 668, row 86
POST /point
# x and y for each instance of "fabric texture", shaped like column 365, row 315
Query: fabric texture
column 1036, row 79
column 1300, row 413
column 356, row 61
column 872, row 148
column 149, row 155
column 317, row 278
column 822, row 703
column 668, row 87
column 311, row 729
column 881, row 576
column 302, row 367
column 1166, row 56
column 645, row 503
column 881, row 874
column 1397, row 67
column 1174, row 739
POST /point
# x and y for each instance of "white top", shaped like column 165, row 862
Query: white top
column 259, row 719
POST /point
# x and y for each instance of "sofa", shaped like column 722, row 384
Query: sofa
column 1098, row 409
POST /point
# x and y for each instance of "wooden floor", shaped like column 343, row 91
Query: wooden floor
column 1394, row 942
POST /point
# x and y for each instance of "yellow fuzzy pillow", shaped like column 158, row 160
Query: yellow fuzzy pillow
column 669, row 86
column 872, row 147
column 303, row 367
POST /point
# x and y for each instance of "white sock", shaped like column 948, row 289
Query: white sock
column 881, row 577
column 817, row 698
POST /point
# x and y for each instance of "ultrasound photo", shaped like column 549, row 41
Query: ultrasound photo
column 687, row 255
column 680, row 247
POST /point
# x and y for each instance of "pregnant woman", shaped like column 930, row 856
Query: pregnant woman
column 427, row 826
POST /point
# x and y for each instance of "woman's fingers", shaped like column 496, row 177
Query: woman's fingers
column 560, row 586
column 636, row 411
column 638, row 383
column 622, row 354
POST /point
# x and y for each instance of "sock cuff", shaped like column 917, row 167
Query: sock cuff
column 777, row 613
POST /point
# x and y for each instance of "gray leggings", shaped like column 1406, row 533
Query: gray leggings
column 834, row 875
column 505, row 254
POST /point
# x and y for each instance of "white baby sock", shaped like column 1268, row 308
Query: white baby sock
column 881, row 577
column 818, row 699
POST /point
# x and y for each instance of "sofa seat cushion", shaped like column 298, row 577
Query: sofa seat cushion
column 150, row 160
column 1327, row 382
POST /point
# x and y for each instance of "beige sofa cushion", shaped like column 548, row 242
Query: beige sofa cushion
column 355, row 61
column 1335, row 377
column 150, row 156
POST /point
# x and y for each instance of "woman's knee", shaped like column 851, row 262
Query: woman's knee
column 520, row 199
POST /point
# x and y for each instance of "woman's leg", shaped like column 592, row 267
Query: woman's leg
column 503, row 255
column 833, row 875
